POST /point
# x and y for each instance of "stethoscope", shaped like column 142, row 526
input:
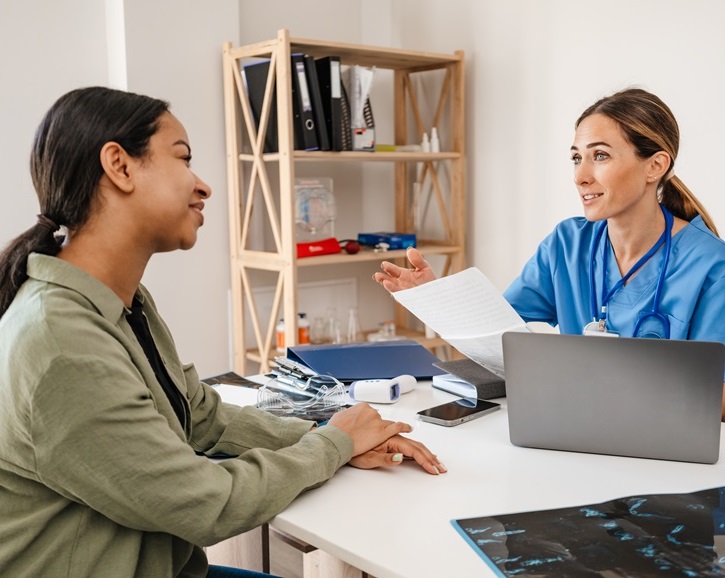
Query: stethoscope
column 599, row 316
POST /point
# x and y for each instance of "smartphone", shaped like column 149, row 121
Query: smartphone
column 459, row 411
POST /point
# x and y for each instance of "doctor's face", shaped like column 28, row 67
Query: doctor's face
column 610, row 177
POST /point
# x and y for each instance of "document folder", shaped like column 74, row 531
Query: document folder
column 374, row 360
column 256, row 77
column 304, row 122
column 323, row 138
column 330, row 81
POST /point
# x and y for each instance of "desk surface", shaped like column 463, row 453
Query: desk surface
column 395, row 522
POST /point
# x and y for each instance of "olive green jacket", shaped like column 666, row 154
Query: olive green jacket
column 97, row 475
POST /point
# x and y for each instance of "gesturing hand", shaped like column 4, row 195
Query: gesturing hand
column 395, row 278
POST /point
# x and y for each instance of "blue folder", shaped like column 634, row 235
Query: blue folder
column 373, row 360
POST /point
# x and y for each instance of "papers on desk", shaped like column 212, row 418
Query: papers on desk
column 647, row 535
column 237, row 395
column 468, row 312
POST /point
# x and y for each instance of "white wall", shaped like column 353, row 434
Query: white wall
column 38, row 63
column 173, row 51
column 532, row 67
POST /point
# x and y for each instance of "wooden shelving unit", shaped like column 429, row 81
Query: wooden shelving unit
column 249, row 170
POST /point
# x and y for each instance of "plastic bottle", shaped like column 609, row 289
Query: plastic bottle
column 354, row 333
column 280, row 336
column 303, row 329
column 435, row 143
column 425, row 145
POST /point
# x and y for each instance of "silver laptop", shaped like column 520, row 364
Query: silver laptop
column 647, row 398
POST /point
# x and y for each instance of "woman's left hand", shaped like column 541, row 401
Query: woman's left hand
column 392, row 451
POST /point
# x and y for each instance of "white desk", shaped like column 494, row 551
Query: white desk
column 396, row 522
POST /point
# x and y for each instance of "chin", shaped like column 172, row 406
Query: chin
column 593, row 215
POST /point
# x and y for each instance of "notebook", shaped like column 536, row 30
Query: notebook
column 467, row 378
column 648, row 398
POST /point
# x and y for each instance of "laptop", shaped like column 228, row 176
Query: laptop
column 646, row 398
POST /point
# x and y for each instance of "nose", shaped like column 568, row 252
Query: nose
column 583, row 174
column 202, row 188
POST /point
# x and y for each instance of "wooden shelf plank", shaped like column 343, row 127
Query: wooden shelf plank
column 358, row 156
column 273, row 262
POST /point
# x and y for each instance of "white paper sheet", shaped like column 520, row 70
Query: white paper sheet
column 468, row 312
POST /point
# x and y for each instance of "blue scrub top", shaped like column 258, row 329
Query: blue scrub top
column 554, row 285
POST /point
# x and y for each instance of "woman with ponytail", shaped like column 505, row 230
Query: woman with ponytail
column 104, row 432
column 642, row 229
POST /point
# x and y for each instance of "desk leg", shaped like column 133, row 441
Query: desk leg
column 249, row 550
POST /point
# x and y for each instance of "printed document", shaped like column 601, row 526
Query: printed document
column 468, row 312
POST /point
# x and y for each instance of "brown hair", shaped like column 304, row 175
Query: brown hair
column 650, row 126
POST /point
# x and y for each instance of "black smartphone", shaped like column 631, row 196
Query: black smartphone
column 459, row 411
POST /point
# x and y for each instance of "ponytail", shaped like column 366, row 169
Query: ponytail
column 40, row 238
column 683, row 204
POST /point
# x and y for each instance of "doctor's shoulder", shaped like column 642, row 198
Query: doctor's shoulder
column 572, row 235
column 696, row 238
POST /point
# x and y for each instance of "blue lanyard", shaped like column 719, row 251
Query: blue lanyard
column 665, row 238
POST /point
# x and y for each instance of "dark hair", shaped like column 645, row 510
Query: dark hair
column 66, row 168
column 650, row 126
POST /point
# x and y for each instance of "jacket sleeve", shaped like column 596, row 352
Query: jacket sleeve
column 99, row 440
column 220, row 428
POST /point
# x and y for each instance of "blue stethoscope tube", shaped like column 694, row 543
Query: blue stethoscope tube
column 601, row 315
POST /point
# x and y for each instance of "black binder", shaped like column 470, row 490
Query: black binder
column 304, row 121
column 328, row 75
column 256, row 75
column 345, row 119
column 323, row 138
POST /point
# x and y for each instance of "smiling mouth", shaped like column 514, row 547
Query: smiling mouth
column 198, row 208
column 590, row 196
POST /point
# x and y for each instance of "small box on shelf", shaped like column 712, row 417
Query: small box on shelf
column 392, row 240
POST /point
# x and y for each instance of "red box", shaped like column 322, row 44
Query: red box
column 321, row 247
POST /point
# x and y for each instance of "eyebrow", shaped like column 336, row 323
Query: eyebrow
column 593, row 144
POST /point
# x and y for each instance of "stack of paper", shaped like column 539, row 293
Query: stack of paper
column 468, row 312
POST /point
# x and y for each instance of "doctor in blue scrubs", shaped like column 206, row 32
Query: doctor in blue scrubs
column 644, row 261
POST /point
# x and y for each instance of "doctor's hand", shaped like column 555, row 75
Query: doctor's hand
column 395, row 278
column 394, row 450
column 366, row 428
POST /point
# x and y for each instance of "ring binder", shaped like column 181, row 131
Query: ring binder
column 304, row 131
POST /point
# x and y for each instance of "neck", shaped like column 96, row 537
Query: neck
column 110, row 258
column 632, row 236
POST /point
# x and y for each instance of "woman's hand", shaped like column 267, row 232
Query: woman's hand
column 395, row 278
column 366, row 428
column 392, row 451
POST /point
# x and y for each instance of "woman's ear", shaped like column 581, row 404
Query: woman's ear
column 115, row 162
column 659, row 164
